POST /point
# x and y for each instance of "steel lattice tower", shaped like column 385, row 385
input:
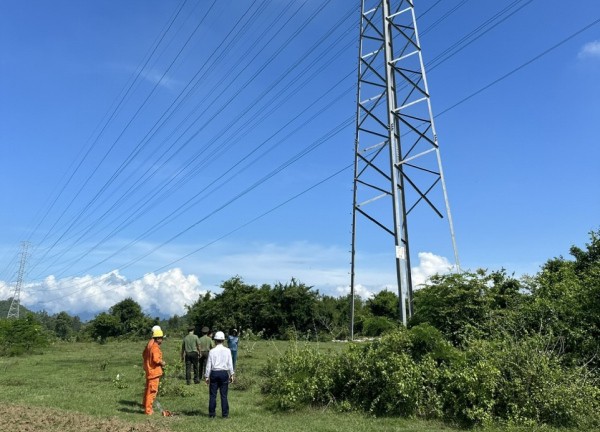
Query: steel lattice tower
column 397, row 157
column 15, row 304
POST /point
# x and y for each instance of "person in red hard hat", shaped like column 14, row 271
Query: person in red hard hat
column 153, row 366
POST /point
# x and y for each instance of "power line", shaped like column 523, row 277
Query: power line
column 518, row 68
column 278, row 51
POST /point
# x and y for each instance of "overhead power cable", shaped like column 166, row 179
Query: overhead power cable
column 278, row 51
column 104, row 122
column 119, row 170
column 477, row 33
column 444, row 111
column 521, row 66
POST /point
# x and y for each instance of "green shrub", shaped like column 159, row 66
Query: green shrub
column 302, row 376
column 418, row 373
column 467, row 388
column 242, row 382
column 536, row 388
column 378, row 325
column 21, row 336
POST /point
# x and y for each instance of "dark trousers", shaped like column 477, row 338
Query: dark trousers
column 192, row 361
column 219, row 380
column 203, row 360
column 234, row 358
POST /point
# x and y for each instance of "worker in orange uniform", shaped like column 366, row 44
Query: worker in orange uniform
column 151, row 341
column 153, row 366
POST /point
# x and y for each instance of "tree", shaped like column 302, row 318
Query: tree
column 63, row 325
column 21, row 336
column 131, row 318
column 105, row 325
column 271, row 310
column 565, row 302
column 384, row 304
column 465, row 305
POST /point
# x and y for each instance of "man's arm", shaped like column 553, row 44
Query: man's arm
column 208, row 368
column 230, row 367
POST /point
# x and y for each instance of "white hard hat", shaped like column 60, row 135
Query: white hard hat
column 219, row 335
column 156, row 327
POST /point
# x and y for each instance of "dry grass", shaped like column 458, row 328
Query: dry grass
column 17, row 418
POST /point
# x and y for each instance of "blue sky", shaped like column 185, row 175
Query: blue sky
column 101, row 141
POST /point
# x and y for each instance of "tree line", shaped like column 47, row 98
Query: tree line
column 562, row 300
column 483, row 348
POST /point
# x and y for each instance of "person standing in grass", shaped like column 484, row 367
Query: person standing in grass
column 219, row 373
column 153, row 366
column 232, row 344
column 190, row 353
column 206, row 343
column 151, row 341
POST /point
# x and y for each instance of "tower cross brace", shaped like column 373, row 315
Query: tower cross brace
column 397, row 164
column 15, row 304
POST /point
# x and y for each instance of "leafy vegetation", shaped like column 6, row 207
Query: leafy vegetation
column 20, row 336
column 483, row 348
column 74, row 387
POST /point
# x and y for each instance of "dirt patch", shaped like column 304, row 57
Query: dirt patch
column 16, row 418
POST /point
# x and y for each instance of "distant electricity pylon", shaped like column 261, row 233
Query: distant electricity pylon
column 15, row 304
column 397, row 158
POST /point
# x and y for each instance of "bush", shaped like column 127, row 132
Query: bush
column 302, row 376
column 21, row 336
column 378, row 325
column 535, row 388
column 419, row 373
column 374, row 379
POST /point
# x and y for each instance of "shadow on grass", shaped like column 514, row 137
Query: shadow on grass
column 130, row 403
column 193, row 413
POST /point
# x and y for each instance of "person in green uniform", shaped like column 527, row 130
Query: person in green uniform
column 206, row 343
column 190, row 353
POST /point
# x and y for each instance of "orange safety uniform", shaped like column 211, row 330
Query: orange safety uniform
column 152, row 366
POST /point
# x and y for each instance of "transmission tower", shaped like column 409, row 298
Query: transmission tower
column 15, row 304
column 397, row 157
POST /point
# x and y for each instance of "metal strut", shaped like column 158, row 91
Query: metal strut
column 389, row 184
column 15, row 304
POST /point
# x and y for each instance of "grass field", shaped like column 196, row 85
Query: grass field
column 74, row 387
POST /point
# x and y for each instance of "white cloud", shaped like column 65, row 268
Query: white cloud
column 590, row 50
column 429, row 264
column 6, row 291
column 359, row 290
column 165, row 294
column 156, row 77
column 326, row 268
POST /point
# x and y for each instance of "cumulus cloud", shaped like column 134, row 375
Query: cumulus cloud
column 429, row 264
column 164, row 294
column 326, row 268
column 359, row 290
column 6, row 290
column 590, row 50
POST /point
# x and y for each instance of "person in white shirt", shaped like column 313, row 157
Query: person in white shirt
column 219, row 373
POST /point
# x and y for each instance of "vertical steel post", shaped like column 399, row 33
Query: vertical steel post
column 397, row 159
